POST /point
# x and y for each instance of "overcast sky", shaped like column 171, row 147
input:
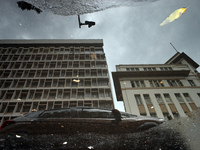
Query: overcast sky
column 131, row 33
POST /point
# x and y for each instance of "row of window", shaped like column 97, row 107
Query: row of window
column 149, row 69
column 160, row 100
column 54, row 94
column 159, row 83
column 53, row 73
column 171, row 106
column 151, row 108
column 25, row 107
column 59, row 64
column 55, row 57
column 48, row 83
column 50, row 50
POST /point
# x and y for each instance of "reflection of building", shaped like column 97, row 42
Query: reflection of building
column 163, row 90
column 46, row 74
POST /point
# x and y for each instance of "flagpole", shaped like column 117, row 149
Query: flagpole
column 174, row 48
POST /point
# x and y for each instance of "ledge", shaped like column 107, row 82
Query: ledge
column 131, row 74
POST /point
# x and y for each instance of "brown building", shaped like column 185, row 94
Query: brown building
column 48, row 74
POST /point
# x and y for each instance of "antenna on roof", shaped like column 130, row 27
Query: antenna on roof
column 174, row 48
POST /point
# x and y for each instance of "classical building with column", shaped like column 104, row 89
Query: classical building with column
column 163, row 90
column 51, row 74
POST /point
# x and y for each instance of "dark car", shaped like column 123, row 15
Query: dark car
column 79, row 120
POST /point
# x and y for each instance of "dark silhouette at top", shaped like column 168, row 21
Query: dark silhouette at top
column 24, row 5
column 89, row 23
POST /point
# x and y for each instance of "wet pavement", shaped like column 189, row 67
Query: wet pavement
column 177, row 134
column 154, row 139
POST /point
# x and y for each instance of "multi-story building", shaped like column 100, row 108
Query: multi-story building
column 47, row 74
column 162, row 90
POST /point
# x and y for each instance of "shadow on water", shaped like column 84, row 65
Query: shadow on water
column 26, row 6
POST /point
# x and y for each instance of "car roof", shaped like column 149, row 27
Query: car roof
column 78, row 108
column 37, row 113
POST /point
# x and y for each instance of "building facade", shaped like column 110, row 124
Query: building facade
column 51, row 74
column 163, row 90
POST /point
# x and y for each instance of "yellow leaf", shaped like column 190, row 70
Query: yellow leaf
column 173, row 16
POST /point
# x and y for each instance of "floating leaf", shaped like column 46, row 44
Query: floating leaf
column 173, row 16
column 93, row 56
column 18, row 136
column 19, row 99
column 74, row 80
column 64, row 143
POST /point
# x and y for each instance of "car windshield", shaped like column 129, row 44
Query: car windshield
column 33, row 114
column 112, row 69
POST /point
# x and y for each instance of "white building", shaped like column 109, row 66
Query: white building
column 163, row 90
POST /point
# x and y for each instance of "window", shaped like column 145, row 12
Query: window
column 132, row 84
column 138, row 99
column 52, row 94
column 174, row 83
column 7, row 84
column 38, row 95
column 147, row 99
column 167, row 98
column 156, row 83
column 191, row 82
column 73, row 94
column 60, row 93
column 138, row 83
column 159, row 98
column 150, row 69
column 187, row 97
column 80, row 94
column 6, row 74
column 166, row 68
column 179, row 82
column 132, row 69
column 11, row 107
column 179, row 98
column 9, row 95
column 94, row 93
column 24, row 95
column 101, row 93
column 107, row 93
column 41, row 84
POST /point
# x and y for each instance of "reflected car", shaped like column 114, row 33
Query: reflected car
column 79, row 120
